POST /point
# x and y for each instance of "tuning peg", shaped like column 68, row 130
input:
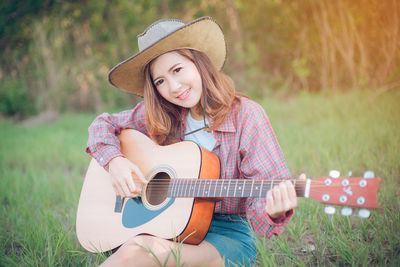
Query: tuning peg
column 349, row 173
column 369, row 174
column 364, row 213
column 334, row 174
column 346, row 211
column 330, row 210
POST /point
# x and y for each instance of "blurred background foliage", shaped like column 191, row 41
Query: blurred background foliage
column 56, row 54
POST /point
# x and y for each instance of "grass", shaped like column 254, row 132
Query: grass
column 354, row 131
column 42, row 168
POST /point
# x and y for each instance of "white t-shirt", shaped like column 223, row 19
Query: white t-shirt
column 202, row 138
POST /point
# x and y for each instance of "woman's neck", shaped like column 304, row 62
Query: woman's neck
column 194, row 112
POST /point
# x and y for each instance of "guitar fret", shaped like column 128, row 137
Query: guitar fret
column 244, row 185
column 199, row 184
column 192, row 187
column 257, row 186
column 215, row 187
column 188, row 187
column 198, row 189
column 251, row 191
column 206, row 193
column 184, row 187
column 202, row 189
column 261, row 187
column 180, row 189
column 234, row 193
column 222, row 186
column 229, row 187
column 181, row 185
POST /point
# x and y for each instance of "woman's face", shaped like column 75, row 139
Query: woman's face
column 177, row 79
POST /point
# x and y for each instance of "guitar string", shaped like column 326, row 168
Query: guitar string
column 315, row 188
column 223, row 180
column 182, row 181
column 162, row 186
column 182, row 191
column 246, row 193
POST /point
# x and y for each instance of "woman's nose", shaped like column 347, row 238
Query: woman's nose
column 174, row 85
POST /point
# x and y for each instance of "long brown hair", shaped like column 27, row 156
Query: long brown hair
column 163, row 117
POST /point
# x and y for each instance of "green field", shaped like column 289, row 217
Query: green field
column 42, row 170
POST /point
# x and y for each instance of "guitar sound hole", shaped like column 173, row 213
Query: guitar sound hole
column 157, row 189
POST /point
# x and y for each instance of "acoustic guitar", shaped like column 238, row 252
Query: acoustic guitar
column 178, row 201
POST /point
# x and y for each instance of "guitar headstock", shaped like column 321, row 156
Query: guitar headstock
column 358, row 192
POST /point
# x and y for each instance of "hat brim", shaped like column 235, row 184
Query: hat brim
column 202, row 34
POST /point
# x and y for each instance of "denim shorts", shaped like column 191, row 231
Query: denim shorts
column 234, row 240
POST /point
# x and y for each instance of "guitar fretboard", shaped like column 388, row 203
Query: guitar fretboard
column 226, row 187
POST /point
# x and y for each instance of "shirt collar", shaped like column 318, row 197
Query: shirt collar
column 227, row 126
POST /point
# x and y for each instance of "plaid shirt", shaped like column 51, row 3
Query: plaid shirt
column 246, row 146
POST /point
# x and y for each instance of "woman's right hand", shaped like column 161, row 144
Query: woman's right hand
column 126, row 177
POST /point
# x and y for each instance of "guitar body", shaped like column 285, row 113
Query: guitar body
column 100, row 228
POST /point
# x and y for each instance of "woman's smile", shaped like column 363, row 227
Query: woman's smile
column 185, row 95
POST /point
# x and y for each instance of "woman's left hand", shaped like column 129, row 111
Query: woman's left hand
column 282, row 198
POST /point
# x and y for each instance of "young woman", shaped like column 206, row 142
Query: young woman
column 187, row 97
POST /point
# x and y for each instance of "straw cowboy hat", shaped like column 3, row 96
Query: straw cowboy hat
column 202, row 34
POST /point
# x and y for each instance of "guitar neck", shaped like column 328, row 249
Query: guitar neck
column 354, row 192
column 215, row 188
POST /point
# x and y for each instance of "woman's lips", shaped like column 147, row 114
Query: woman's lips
column 184, row 95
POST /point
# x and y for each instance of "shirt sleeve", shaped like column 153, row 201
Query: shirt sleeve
column 261, row 158
column 103, row 143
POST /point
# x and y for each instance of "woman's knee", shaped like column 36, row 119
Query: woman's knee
column 135, row 250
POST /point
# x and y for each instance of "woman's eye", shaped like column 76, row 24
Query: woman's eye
column 159, row 82
column 178, row 69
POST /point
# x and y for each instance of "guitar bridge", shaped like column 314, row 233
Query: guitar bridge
column 119, row 202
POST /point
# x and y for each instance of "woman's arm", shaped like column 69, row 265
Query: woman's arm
column 103, row 143
column 262, row 158
column 104, row 146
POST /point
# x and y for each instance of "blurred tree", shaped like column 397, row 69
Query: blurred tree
column 59, row 52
